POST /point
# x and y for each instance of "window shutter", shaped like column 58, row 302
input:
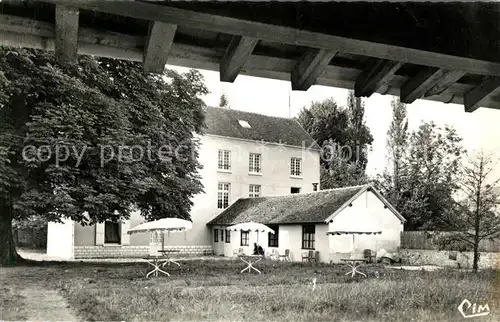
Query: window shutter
column 125, row 238
column 99, row 234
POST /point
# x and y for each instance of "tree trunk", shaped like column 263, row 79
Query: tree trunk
column 476, row 257
column 8, row 253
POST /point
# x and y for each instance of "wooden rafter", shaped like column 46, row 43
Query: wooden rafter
column 428, row 82
column 66, row 34
column 281, row 34
column 375, row 76
column 474, row 98
column 31, row 33
column 309, row 68
column 157, row 46
column 237, row 53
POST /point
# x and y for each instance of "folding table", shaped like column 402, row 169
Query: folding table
column 250, row 260
column 156, row 262
column 168, row 259
column 354, row 264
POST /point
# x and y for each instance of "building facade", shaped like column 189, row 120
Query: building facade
column 243, row 155
column 301, row 222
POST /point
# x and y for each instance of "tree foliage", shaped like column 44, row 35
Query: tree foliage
column 92, row 140
column 224, row 102
column 474, row 214
column 423, row 168
column 344, row 137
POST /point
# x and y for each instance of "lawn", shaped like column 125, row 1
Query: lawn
column 215, row 290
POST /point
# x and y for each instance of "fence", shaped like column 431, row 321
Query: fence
column 429, row 240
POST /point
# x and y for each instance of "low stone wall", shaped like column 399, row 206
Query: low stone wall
column 448, row 258
column 111, row 251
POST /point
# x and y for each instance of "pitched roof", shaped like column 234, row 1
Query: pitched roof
column 302, row 208
column 225, row 122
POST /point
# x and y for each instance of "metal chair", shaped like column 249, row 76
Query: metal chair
column 310, row 256
column 369, row 255
column 285, row 257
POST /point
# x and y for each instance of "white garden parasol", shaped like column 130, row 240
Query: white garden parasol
column 251, row 226
column 367, row 226
column 161, row 226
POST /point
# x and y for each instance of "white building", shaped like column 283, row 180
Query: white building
column 300, row 223
column 243, row 155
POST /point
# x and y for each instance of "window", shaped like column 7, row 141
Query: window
column 228, row 236
column 223, row 195
column 308, row 236
column 224, row 160
column 253, row 191
column 216, row 235
column 222, row 235
column 254, row 163
column 295, row 167
column 294, row 190
column 273, row 238
column 112, row 232
column 244, row 238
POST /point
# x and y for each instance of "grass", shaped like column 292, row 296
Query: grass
column 215, row 290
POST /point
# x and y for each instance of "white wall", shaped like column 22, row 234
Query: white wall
column 289, row 237
column 274, row 180
column 366, row 206
column 60, row 239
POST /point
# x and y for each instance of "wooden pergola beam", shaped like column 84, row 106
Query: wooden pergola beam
column 375, row 76
column 235, row 56
column 286, row 35
column 66, row 34
column 30, row 33
column 157, row 46
column 428, row 82
column 473, row 98
column 448, row 78
column 309, row 68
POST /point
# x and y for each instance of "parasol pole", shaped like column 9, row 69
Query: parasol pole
column 353, row 245
column 162, row 240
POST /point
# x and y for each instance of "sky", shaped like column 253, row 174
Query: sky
column 479, row 130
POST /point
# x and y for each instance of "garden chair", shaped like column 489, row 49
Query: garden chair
column 238, row 252
column 285, row 257
column 275, row 255
column 309, row 256
column 369, row 255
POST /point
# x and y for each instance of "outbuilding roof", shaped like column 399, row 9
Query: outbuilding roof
column 314, row 207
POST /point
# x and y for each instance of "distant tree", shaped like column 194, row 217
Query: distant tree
column 423, row 166
column 343, row 136
column 433, row 163
column 76, row 120
column 359, row 134
column 224, row 102
column 474, row 215
column 397, row 140
column 394, row 182
column 326, row 121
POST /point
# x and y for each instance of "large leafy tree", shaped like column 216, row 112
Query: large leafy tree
column 474, row 215
column 344, row 137
column 91, row 140
column 425, row 166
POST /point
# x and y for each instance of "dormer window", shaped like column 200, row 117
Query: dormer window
column 244, row 124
